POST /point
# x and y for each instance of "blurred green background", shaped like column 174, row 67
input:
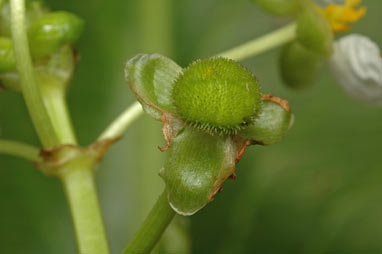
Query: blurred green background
column 318, row 191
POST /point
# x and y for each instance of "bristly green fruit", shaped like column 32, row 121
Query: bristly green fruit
column 299, row 66
column 217, row 95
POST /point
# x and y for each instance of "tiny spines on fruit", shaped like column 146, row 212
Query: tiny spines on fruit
column 217, row 95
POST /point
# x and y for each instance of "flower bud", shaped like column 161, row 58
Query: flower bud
column 314, row 32
column 280, row 7
column 51, row 31
column 357, row 66
column 298, row 66
column 7, row 59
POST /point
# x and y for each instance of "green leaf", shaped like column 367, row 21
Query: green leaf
column 53, row 30
column 314, row 32
column 272, row 123
column 196, row 167
column 151, row 78
column 280, row 7
column 299, row 66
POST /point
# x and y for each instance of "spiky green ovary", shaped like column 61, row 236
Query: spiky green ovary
column 217, row 95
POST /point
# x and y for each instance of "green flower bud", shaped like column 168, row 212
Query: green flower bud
column 272, row 124
column 280, row 7
column 196, row 167
column 217, row 95
column 298, row 66
column 51, row 31
column 7, row 59
column 314, row 32
column 10, row 81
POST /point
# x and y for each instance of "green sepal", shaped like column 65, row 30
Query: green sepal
column 52, row 31
column 7, row 58
column 196, row 167
column 151, row 78
column 298, row 66
column 272, row 124
column 314, row 32
column 56, row 70
column 280, row 7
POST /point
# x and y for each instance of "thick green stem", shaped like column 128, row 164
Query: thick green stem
column 18, row 149
column 152, row 228
column 29, row 86
column 261, row 44
column 82, row 197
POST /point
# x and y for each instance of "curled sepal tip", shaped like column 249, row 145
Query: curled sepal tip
column 151, row 78
column 272, row 124
column 196, row 167
column 51, row 31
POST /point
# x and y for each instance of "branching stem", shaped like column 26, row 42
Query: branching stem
column 18, row 149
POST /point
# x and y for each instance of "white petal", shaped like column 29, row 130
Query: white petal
column 357, row 66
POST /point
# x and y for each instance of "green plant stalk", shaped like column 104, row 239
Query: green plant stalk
column 19, row 149
column 249, row 49
column 54, row 127
column 80, row 191
column 29, row 86
column 55, row 102
column 152, row 228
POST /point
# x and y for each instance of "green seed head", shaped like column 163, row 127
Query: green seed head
column 217, row 95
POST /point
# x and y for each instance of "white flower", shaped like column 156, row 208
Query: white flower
column 357, row 66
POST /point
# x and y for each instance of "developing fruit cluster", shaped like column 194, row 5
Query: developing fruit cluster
column 211, row 111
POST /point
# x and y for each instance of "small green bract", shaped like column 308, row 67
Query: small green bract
column 217, row 95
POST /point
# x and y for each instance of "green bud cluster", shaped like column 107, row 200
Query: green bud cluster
column 210, row 111
column 48, row 33
column 301, row 59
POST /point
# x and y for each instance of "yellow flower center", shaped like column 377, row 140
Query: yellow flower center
column 339, row 16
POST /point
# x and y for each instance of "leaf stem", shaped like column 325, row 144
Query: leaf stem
column 152, row 228
column 19, row 149
column 119, row 125
column 261, row 44
column 29, row 86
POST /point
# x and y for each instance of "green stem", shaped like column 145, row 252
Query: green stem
column 262, row 44
column 55, row 101
column 29, row 86
column 152, row 228
column 119, row 125
column 22, row 150
column 82, row 197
